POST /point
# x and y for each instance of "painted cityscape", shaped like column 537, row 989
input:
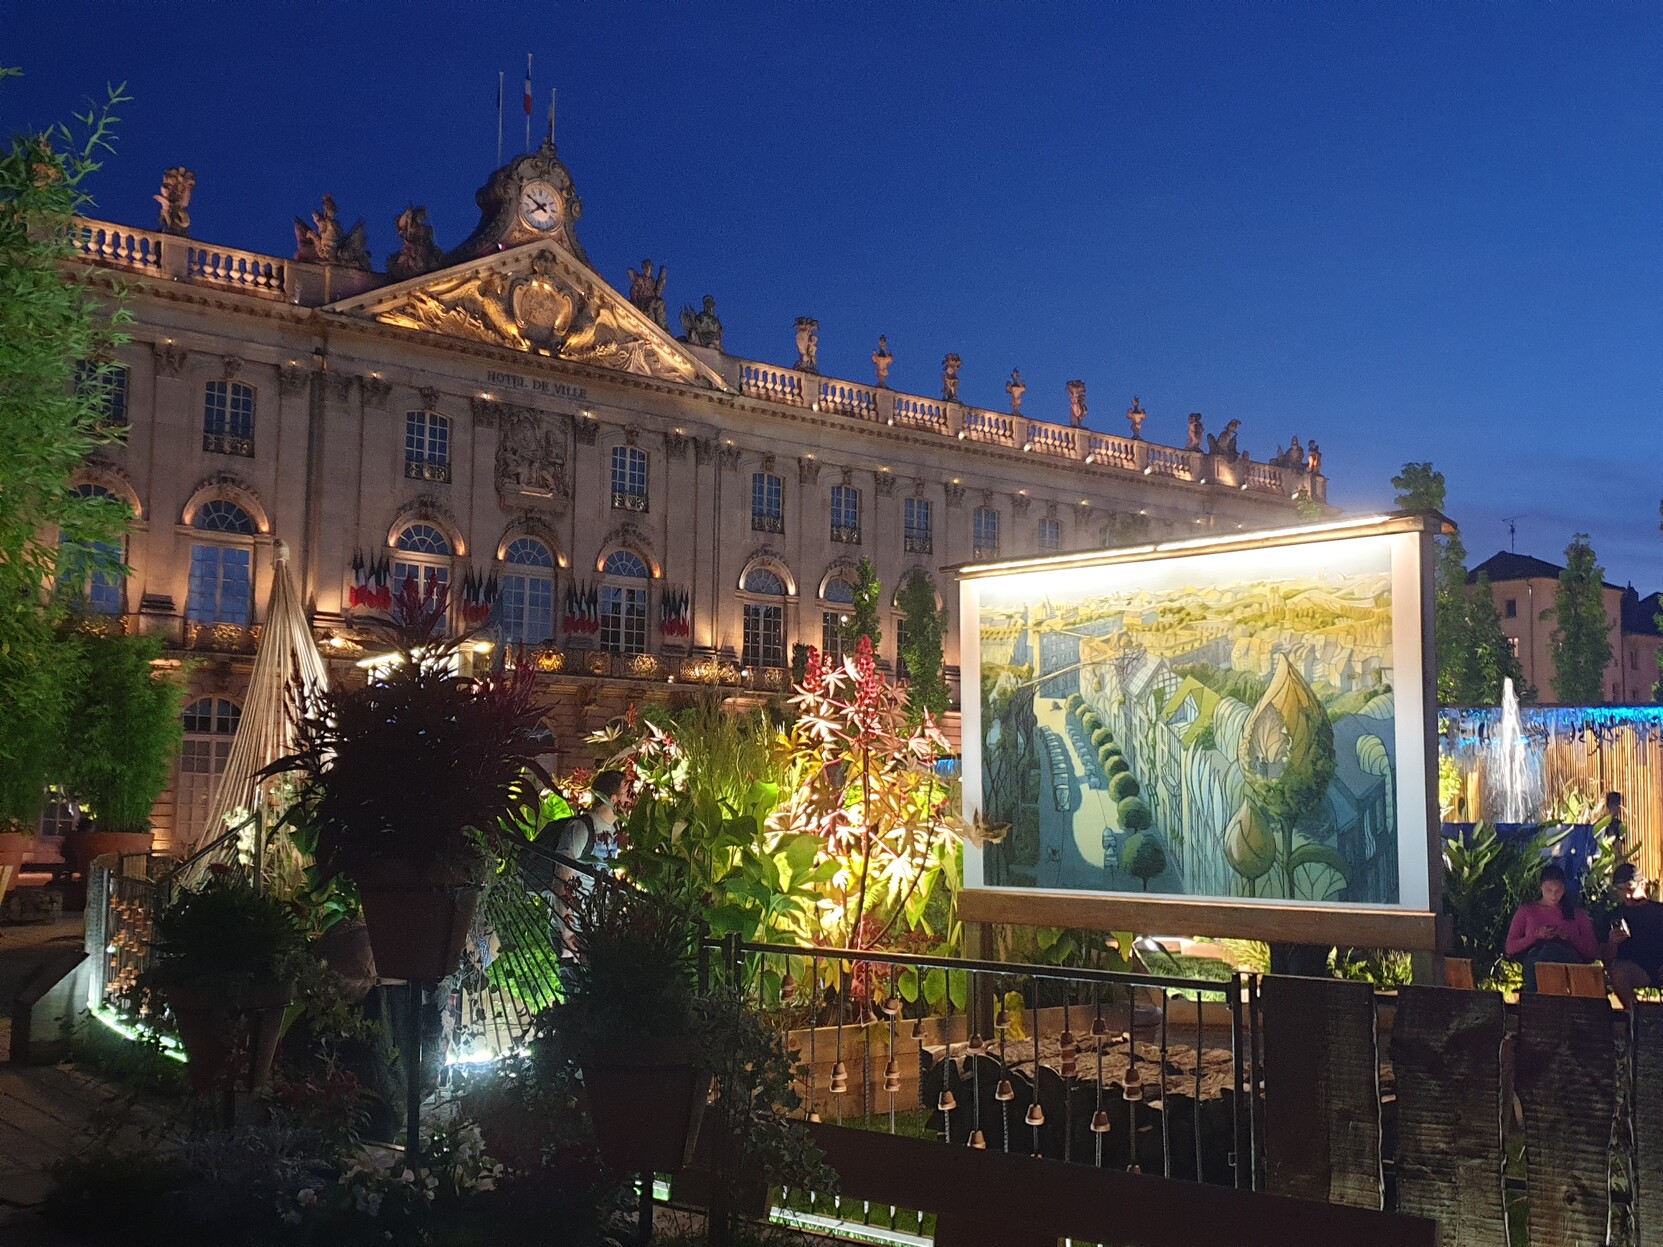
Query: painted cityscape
column 1221, row 725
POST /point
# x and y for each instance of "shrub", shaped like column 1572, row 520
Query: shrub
column 1073, row 703
column 1135, row 815
column 1101, row 737
column 1115, row 764
column 1090, row 721
column 1123, row 785
column 1143, row 858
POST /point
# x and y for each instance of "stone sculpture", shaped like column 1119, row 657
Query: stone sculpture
column 1016, row 390
column 419, row 254
column 324, row 242
column 530, row 459
column 1076, row 403
column 950, row 378
column 702, row 328
column 1135, row 416
column 647, row 292
column 175, row 200
column 881, row 360
column 808, row 344
column 1313, row 460
column 1196, row 432
column 1224, row 445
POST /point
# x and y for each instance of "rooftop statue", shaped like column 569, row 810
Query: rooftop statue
column 808, row 344
column 1016, row 389
column 175, row 200
column 1135, row 416
column 323, row 242
column 1196, row 432
column 702, row 328
column 881, row 360
column 1224, row 445
column 419, row 254
column 647, row 293
column 1076, row 403
column 950, row 378
column 1313, row 460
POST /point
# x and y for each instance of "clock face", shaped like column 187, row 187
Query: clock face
column 540, row 205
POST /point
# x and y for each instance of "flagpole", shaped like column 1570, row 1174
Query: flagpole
column 499, row 118
column 551, row 114
column 528, row 101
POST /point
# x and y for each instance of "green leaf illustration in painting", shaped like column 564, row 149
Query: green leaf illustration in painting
column 1287, row 755
column 1250, row 844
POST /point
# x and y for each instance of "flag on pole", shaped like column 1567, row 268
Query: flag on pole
column 527, row 101
column 551, row 114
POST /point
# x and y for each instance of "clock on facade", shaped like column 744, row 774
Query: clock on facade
column 540, row 205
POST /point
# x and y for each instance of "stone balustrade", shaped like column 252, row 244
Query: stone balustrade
column 166, row 255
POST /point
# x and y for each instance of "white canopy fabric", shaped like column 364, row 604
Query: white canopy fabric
column 287, row 658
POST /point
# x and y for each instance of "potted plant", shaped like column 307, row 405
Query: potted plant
column 408, row 782
column 225, row 959
column 123, row 730
column 37, row 672
column 628, row 1020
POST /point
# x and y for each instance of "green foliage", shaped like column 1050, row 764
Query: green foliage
column 1485, row 880
column 799, row 662
column 1090, row 721
column 866, row 613
column 1310, row 510
column 111, row 1196
column 1489, row 653
column 1143, row 857
column 1101, row 737
column 1581, row 641
column 38, row 676
column 1384, row 967
column 1073, row 702
column 1122, row 785
column 1115, row 764
column 225, row 930
column 124, row 727
column 1287, row 756
column 1134, row 814
column 927, row 689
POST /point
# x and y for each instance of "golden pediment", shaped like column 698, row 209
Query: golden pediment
column 540, row 300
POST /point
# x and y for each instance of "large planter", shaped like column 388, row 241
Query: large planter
column 418, row 918
column 84, row 846
column 13, row 849
column 646, row 1101
column 230, row 1032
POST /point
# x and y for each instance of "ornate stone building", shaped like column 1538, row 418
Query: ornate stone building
column 639, row 510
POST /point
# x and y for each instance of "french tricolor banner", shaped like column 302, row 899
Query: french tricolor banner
column 528, row 84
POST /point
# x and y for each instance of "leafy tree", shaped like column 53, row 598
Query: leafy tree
column 49, row 322
column 1490, row 658
column 1581, row 641
column 1134, row 814
column 1143, row 858
column 1124, row 785
column 1287, row 758
column 864, row 620
column 923, row 651
column 127, row 728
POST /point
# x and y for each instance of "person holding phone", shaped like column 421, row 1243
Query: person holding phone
column 1553, row 928
column 1634, row 946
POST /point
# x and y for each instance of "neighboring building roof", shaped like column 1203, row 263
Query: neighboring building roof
column 1640, row 613
column 1506, row 565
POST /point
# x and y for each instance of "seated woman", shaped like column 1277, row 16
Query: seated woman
column 1550, row 929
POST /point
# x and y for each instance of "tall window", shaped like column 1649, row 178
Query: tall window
column 91, row 570
column 222, row 568
column 764, row 621
column 427, row 446
column 525, row 606
column 106, row 386
column 629, row 479
column 841, row 594
column 1050, row 534
column 845, row 514
column 920, row 538
column 986, row 533
column 624, row 606
column 767, row 503
column 210, row 725
column 901, row 647
column 423, row 559
column 228, row 418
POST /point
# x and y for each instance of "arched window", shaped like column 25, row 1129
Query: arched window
column 228, row 418
column 91, row 571
column 423, row 560
column 764, row 634
column 210, row 725
column 525, row 606
column 840, row 592
column 427, row 446
column 222, row 565
column 624, row 604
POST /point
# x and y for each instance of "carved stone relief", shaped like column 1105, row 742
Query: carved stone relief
column 588, row 429
column 955, row 493
column 730, row 456
column 675, row 445
column 531, row 455
column 703, row 449
column 1019, row 504
column 883, row 483
column 808, row 470
column 293, row 378
column 340, row 384
column 376, row 391
column 232, row 365
column 170, row 359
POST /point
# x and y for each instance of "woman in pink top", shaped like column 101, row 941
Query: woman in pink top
column 1551, row 929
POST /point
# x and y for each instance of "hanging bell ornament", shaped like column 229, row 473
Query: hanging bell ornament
column 1133, row 1087
column 918, row 1028
column 1066, row 1040
column 946, row 1102
column 1004, row 1091
column 1002, row 1020
column 839, row 1079
column 1100, row 1122
column 892, row 1006
column 891, row 1077
column 1036, row 1115
column 978, row 1140
column 814, row 1117
column 1099, row 1028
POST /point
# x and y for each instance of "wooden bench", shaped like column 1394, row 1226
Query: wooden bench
column 1458, row 973
column 1555, row 978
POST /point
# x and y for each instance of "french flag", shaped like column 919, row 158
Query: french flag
column 528, row 84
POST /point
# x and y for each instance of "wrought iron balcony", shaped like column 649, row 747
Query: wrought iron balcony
column 625, row 500
column 764, row 523
column 226, row 444
column 847, row 534
column 916, row 544
column 427, row 470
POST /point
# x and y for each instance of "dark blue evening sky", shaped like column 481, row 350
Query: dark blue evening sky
column 1410, row 231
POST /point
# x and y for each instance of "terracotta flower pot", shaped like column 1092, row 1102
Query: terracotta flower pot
column 417, row 920
column 86, row 845
column 230, row 1032
column 646, row 1101
column 13, row 848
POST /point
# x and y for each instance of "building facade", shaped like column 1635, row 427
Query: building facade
column 1525, row 588
column 639, row 510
